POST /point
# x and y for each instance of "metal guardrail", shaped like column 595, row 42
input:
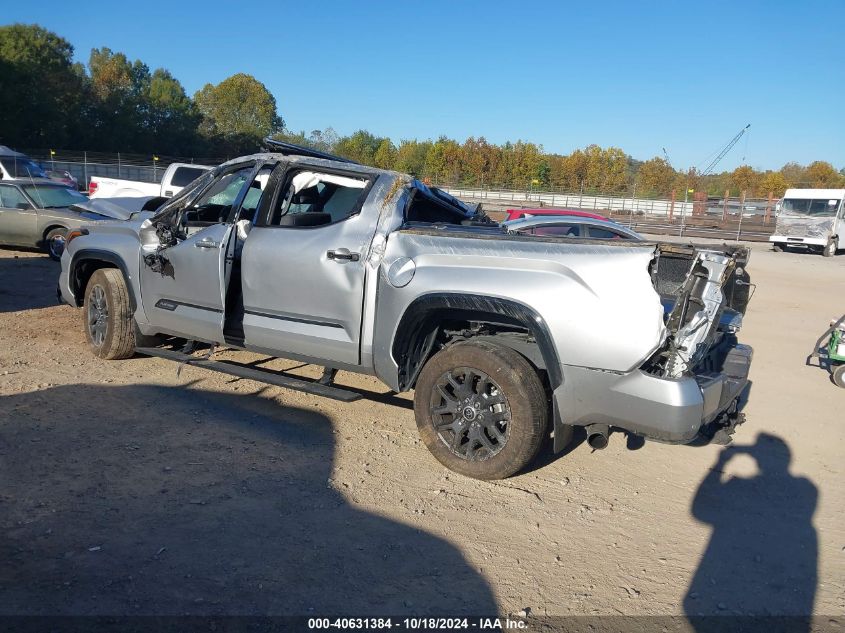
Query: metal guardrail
column 608, row 204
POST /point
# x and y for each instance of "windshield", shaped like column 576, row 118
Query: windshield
column 21, row 167
column 49, row 197
column 819, row 208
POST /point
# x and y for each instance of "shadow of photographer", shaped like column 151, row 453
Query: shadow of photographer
column 762, row 554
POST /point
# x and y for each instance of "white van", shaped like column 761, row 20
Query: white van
column 812, row 218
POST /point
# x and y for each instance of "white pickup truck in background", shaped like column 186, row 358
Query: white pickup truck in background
column 175, row 178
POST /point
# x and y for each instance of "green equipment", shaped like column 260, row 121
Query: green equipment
column 832, row 342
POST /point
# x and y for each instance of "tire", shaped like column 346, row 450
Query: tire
column 107, row 315
column 838, row 376
column 54, row 243
column 777, row 247
column 830, row 249
column 472, row 439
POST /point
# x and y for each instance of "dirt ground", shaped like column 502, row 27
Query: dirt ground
column 126, row 489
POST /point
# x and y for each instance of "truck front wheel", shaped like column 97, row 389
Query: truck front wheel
column 829, row 249
column 107, row 315
column 481, row 409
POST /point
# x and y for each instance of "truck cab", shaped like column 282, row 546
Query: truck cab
column 812, row 219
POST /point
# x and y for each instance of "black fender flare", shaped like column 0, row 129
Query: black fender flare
column 507, row 311
column 94, row 254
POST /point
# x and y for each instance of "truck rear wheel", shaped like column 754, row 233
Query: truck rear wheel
column 107, row 315
column 481, row 409
column 778, row 247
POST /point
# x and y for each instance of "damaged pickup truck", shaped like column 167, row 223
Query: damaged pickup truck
column 505, row 338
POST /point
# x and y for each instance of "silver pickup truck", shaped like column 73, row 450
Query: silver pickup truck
column 505, row 338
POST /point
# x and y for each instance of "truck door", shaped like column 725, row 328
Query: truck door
column 303, row 265
column 18, row 218
column 183, row 284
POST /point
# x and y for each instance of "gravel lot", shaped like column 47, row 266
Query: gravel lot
column 127, row 489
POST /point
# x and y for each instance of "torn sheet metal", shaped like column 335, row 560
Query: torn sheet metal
column 697, row 310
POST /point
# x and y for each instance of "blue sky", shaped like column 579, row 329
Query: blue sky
column 639, row 75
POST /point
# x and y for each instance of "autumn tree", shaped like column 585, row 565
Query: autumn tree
column 795, row 175
column 656, row 177
column 822, row 175
column 744, row 179
column 773, row 182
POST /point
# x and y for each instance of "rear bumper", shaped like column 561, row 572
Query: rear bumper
column 667, row 410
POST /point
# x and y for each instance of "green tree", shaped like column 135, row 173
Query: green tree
column 385, row 156
column 41, row 90
column 360, row 146
column 237, row 113
column 410, row 157
column 171, row 118
column 443, row 162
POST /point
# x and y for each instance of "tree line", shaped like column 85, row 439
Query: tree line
column 112, row 104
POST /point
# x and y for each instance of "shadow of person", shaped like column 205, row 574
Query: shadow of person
column 168, row 501
column 762, row 554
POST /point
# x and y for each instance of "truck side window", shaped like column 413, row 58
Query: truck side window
column 214, row 206
column 254, row 195
column 311, row 198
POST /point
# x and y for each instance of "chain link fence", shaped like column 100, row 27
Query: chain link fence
column 83, row 165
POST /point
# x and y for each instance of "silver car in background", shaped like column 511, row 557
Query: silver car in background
column 571, row 226
column 38, row 212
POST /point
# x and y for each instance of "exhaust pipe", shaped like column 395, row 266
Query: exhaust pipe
column 597, row 436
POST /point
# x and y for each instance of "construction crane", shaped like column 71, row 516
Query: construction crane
column 666, row 156
column 724, row 151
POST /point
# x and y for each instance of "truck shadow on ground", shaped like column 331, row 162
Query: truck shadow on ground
column 762, row 555
column 155, row 500
column 27, row 283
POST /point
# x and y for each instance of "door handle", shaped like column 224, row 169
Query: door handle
column 206, row 243
column 343, row 254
